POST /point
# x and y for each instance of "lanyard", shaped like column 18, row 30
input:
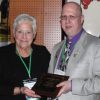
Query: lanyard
column 59, row 56
column 30, row 61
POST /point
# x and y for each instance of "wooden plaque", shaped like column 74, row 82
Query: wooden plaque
column 46, row 84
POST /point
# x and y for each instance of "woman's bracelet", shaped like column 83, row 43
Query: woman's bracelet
column 21, row 90
column 17, row 90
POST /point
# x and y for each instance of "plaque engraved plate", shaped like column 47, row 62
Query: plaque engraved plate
column 46, row 84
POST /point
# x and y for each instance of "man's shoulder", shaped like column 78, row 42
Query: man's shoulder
column 59, row 43
column 93, row 39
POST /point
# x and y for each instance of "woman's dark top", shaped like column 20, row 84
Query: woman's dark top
column 13, row 72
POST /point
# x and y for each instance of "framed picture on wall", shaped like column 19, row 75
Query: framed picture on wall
column 4, row 25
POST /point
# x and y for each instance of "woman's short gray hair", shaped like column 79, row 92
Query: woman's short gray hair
column 24, row 17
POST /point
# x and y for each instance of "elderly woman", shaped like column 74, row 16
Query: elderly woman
column 21, row 60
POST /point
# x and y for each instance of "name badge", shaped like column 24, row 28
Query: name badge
column 30, row 83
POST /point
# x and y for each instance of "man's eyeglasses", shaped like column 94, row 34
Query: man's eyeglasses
column 69, row 17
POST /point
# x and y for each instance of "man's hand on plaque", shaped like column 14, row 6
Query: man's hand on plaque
column 65, row 87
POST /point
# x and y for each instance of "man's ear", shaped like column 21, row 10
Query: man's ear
column 60, row 22
column 82, row 19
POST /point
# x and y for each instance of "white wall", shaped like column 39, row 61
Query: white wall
column 92, row 18
column 78, row 1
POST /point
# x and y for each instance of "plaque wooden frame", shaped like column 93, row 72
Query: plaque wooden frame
column 46, row 84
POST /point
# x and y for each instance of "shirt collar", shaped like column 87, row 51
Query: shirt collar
column 75, row 39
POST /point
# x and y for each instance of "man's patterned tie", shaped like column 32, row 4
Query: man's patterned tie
column 65, row 57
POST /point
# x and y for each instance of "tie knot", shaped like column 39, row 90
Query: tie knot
column 69, row 44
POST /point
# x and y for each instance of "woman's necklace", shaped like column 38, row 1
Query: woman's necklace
column 28, row 69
